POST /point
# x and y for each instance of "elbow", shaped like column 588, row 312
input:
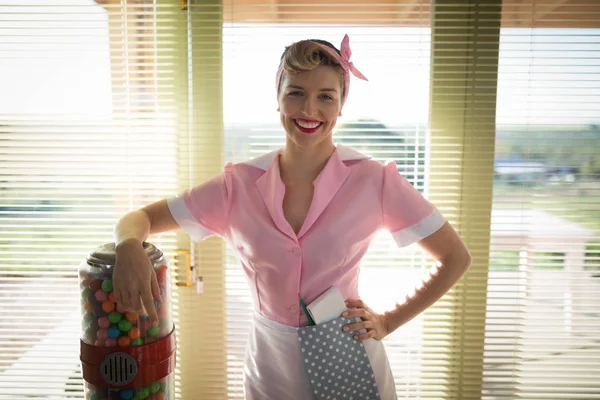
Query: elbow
column 467, row 260
column 463, row 261
column 460, row 261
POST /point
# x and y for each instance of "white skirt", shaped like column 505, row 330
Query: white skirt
column 274, row 368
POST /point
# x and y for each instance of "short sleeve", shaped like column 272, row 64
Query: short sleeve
column 203, row 211
column 406, row 213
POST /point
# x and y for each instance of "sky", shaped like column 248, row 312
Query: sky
column 59, row 63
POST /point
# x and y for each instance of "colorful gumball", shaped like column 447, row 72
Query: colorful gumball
column 154, row 387
column 114, row 395
column 153, row 331
column 97, row 309
column 126, row 394
column 94, row 324
column 107, row 285
column 143, row 392
column 86, row 293
column 124, row 341
column 108, row 306
column 103, row 322
column 90, row 335
column 114, row 332
column 131, row 316
column 101, row 295
column 88, row 317
column 137, row 342
column 157, row 396
column 99, row 343
column 111, row 297
column 110, row 342
column 134, row 332
column 124, row 325
column 114, row 317
column 87, row 307
column 95, row 285
column 85, row 282
column 162, row 333
column 102, row 333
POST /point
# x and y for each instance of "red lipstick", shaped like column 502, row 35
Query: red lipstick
column 305, row 129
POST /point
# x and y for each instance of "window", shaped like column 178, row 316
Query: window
column 489, row 108
column 386, row 118
column 83, row 138
column 543, row 288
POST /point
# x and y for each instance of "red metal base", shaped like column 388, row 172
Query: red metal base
column 154, row 361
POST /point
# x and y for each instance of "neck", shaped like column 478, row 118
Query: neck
column 304, row 164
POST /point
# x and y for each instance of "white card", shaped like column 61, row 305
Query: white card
column 327, row 306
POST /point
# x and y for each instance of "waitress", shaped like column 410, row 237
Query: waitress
column 300, row 219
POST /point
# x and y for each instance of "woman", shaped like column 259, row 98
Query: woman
column 300, row 220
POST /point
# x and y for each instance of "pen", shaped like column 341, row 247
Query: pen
column 303, row 304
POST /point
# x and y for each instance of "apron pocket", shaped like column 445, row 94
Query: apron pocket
column 337, row 364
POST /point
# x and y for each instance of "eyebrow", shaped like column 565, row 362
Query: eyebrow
column 301, row 88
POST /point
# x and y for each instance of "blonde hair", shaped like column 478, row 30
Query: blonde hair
column 307, row 55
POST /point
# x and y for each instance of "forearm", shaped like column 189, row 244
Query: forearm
column 437, row 282
column 132, row 227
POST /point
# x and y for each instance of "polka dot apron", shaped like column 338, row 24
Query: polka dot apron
column 285, row 363
column 338, row 365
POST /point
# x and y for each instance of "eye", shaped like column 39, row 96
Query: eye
column 326, row 97
column 296, row 93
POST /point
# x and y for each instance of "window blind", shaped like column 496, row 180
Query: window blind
column 157, row 95
column 87, row 132
column 542, row 319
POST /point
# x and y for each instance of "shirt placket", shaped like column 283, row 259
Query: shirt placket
column 296, row 260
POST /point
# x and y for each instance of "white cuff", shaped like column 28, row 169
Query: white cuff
column 182, row 214
column 420, row 230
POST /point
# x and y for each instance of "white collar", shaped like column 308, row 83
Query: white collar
column 346, row 154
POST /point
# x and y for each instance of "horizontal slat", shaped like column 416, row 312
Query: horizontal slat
column 540, row 319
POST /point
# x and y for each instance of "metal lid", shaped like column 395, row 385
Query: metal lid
column 105, row 255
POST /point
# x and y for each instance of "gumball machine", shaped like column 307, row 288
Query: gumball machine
column 124, row 356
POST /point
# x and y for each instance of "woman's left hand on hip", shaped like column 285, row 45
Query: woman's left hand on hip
column 374, row 323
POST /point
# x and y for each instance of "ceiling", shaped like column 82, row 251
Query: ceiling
column 515, row 13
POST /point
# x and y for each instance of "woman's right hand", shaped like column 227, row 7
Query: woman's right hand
column 134, row 280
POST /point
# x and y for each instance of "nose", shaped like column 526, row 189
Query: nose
column 310, row 107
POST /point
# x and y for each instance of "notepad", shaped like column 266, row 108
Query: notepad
column 327, row 306
column 337, row 365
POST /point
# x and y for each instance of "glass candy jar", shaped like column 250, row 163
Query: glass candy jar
column 124, row 356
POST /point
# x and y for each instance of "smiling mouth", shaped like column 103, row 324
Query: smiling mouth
column 305, row 126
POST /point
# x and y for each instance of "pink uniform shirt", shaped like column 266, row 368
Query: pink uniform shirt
column 354, row 198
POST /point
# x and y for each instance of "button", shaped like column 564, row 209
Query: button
column 293, row 309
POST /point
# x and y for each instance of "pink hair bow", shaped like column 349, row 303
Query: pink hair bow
column 343, row 59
